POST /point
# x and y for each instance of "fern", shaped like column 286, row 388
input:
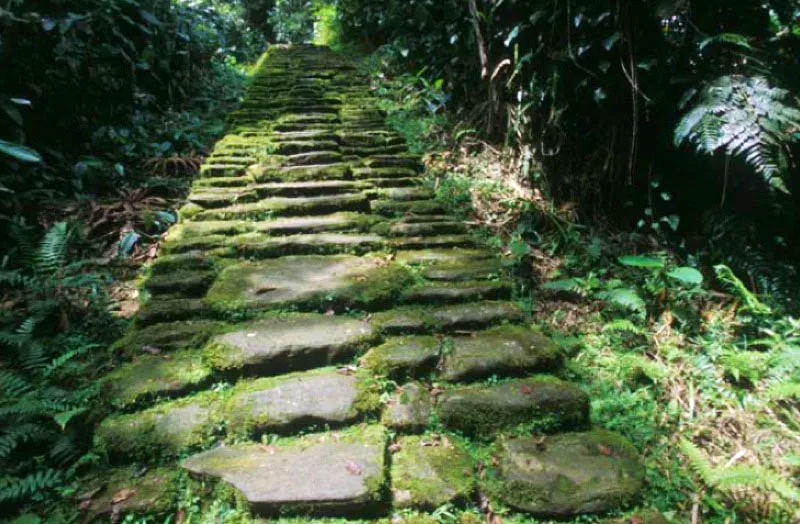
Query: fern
column 621, row 325
column 52, row 252
column 737, row 478
column 751, row 302
column 747, row 118
column 12, row 489
column 783, row 391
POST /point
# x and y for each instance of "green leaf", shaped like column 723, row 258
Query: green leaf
column 62, row 419
column 27, row 518
column 19, row 152
column 626, row 298
column 686, row 275
column 642, row 262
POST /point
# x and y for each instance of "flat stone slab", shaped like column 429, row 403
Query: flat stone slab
column 125, row 491
column 308, row 282
column 403, row 357
column 427, row 473
column 442, row 256
column 316, row 475
column 166, row 429
column 545, row 403
column 303, row 400
column 569, row 474
column 478, row 315
column 153, row 376
column 441, row 293
column 289, row 343
column 503, row 351
column 409, row 409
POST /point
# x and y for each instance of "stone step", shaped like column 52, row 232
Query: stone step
column 395, row 208
column 446, row 319
column 601, row 468
column 302, row 173
column 424, row 229
column 310, row 188
column 314, row 244
column 283, row 207
column 308, row 146
column 310, row 283
column 545, row 404
column 284, row 343
column 441, row 293
column 317, row 475
column 313, row 159
column 432, row 242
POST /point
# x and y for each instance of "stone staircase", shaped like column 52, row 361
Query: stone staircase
column 321, row 338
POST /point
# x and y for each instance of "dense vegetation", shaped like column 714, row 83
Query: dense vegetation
column 670, row 126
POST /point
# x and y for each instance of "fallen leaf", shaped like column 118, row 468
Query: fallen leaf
column 352, row 468
column 495, row 461
column 525, row 389
column 394, row 448
column 605, row 450
column 122, row 495
column 86, row 504
column 180, row 517
column 466, row 472
column 267, row 449
column 331, row 312
column 635, row 519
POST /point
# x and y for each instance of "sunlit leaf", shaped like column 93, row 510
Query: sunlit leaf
column 20, row 153
column 642, row 262
column 686, row 275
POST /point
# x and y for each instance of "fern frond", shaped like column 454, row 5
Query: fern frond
column 745, row 117
column 53, row 249
column 13, row 488
column 13, row 385
column 783, row 391
column 621, row 325
column 20, row 434
column 569, row 285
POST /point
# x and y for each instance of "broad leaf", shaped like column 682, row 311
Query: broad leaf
column 686, row 275
column 20, row 153
column 643, row 262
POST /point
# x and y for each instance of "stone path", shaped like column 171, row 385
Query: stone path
column 373, row 357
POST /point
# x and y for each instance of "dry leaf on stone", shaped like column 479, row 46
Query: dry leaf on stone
column 635, row 519
column 605, row 450
column 122, row 495
column 353, row 468
column 525, row 389
column 89, row 495
column 394, row 448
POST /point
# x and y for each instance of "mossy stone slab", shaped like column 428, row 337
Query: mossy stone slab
column 449, row 292
column 283, row 206
column 166, row 429
column 289, row 343
column 170, row 310
column 309, row 282
column 414, row 320
column 409, row 409
column 546, row 403
column 298, row 401
column 257, row 246
column 426, row 476
column 169, row 336
column 152, row 376
column 153, row 493
column 503, row 351
column 442, row 256
column 483, row 270
column 404, row 357
column 319, row 475
column 570, row 474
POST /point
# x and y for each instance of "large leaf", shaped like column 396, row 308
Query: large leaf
column 643, row 262
column 686, row 275
column 20, row 153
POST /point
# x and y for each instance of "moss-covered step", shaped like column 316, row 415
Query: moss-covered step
column 427, row 474
column 454, row 292
column 432, row 242
column 502, row 351
column 396, row 208
column 306, row 189
column 443, row 319
column 279, row 207
column 189, row 284
column 305, row 146
column 318, row 475
column 118, row 493
column 409, row 409
column 427, row 229
column 216, row 198
column 544, row 403
column 319, row 398
column 309, row 283
column 403, row 357
column 313, row 159
column 565, row 475
column 408, row 161
column 442, row 257
column 221, row 170
column 169, row 336
column 164, row 430
column 168, row 309
column 363, row 173
column 255, row 246
column 275, row 345
column 269, row 173
column 154, row 376
column 459, row 272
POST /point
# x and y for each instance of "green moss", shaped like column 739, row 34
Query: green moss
column 164, row 430
column 168, row 337
column 428, row 476
column 154, row 494
column 189, row 212
column 189, row 283
column 155, row 311
column 404, row 357
column 152, row 376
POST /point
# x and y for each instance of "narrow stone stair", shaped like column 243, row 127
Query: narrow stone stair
column 321, row 337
